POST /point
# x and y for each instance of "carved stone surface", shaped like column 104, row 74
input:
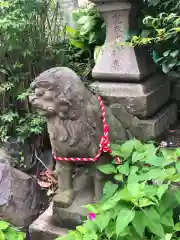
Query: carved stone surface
column 155, row 126
column 44, row 228
column 117, row 61
column 152, row 127
column 75, row 214
column 176, row 89
column 75, row 127
column 19, row 195
column 141, row 100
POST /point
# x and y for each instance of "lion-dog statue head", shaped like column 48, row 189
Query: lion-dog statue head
column 72, row 112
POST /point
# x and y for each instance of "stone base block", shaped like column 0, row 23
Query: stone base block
column 140, row 99
column 76, row 213
column 122, row 64
column 176, row 90
column 44, row 228
column 154, row 127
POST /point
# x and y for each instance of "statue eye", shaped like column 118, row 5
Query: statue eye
column 39, row 92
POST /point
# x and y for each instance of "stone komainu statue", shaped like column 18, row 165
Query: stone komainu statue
column 74, row 125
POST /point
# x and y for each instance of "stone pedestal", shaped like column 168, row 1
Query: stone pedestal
column 175, row 80
column 128, row 76
column 141, row 99
column 44, row 227
column 117, row 60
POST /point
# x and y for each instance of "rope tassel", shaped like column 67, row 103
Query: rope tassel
column 104, row 145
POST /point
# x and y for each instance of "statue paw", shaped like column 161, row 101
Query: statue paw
column 64, row 199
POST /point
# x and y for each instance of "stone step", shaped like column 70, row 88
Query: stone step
column 141, row 99
column 152, row 127
column 157, row 125
column 44, row 227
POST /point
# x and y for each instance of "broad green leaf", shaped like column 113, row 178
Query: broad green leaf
column 161, row 190
column 153, row 174
column 150, row 149
column 152, row 214
column 133, row 170
column 150, row 190
column 109, row 230
column 168, row 236
column 166, row 202
column 127, row 148
column 11, row 234
column 133, row 234
column 167, row 218
column 20, row 236
column 134, row 178
column 111, row 202
column 125, row 195
column 81, row 229
column 77, row 44
column 125, row 216
column 4, row 225
column 103, row 220
column 170, row 155
column 144, row 202
column 116, row 150
column 138, row 145
column 177, row 195
column 124, row 169
column 2, row 236
column 71, row 31
column 155, row 228
column 174, row 53
column 118, row 177
column 109, row 190
column 178, row 166
column 107, row 169
column 174, row 178
column 138, row 156
column 90, row 226
column 177, row 227
column 135, row 189
column 154, row 160
column 85, row 19
column 171, row 171
column 125, row 232
column 139, row 223
column 89, row 236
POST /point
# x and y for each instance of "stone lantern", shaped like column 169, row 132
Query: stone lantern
column 128, row 76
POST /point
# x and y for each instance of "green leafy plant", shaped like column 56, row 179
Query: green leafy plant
column 87, row 31
column 160, row 29
column 31, row 41
column 7, row 232
column 142, row 202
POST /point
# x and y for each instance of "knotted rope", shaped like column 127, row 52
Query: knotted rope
column 104, row 145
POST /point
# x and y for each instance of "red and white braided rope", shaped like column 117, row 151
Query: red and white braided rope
column 104, row 145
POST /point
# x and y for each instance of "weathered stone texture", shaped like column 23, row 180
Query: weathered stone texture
column 44, row 228
column 19, row 194
column 141, row 99
column 117, row 61
column 155, row 126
